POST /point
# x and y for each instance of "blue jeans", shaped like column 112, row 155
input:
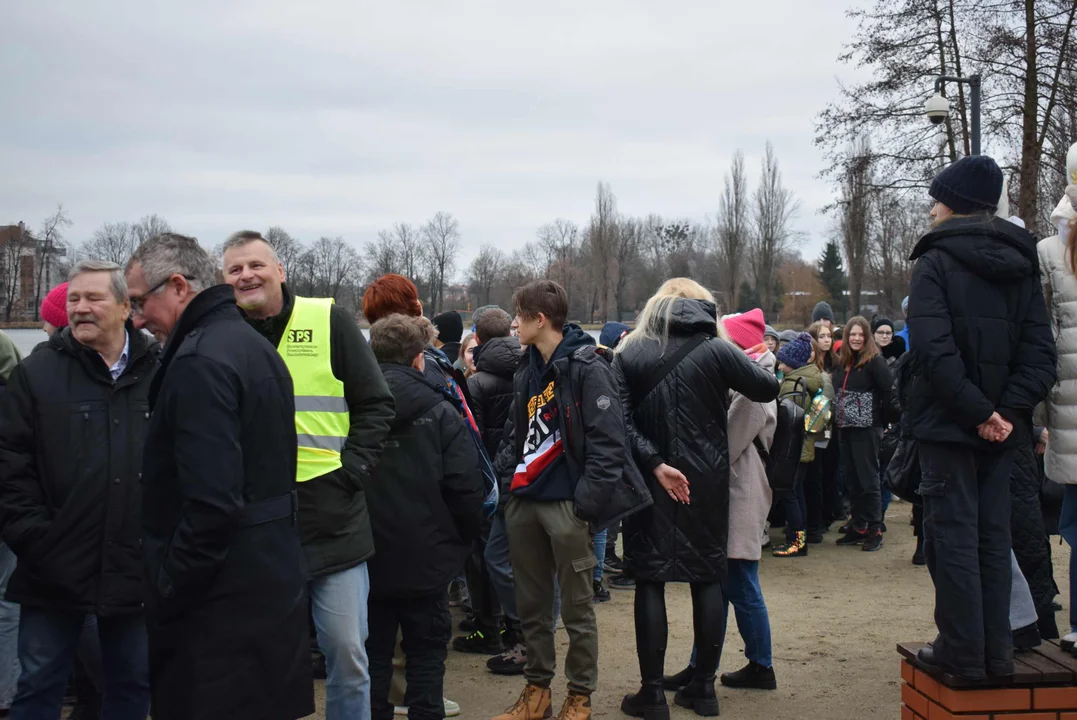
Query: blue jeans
column 741, row 587
column 600, row 553
column 48, row 640
column 1067, row 528
column 339, row 604
column 9, row 632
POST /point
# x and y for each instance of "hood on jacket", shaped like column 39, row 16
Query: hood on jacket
column 412, row 394
column 574, row 339
column 1063, row 216
column 992, row 248
column 693, row 316
column 499, row 356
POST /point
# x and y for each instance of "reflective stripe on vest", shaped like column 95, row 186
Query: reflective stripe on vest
column 321, row 412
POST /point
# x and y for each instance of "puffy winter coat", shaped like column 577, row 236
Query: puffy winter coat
column 1060, row 293
column 682, row 422
column 70, row 461
column 491, row 388
column 982, row 331
column 750, row 496
column 426, row 493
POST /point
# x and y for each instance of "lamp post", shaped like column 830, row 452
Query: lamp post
column 938, row 107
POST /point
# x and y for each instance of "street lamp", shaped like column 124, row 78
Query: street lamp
column 938, row 108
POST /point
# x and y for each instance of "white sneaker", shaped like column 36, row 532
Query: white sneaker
column 1068, row 641
column 765, row 540
column 451, row 709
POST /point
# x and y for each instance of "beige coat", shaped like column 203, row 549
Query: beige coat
column 1060, row 292
column 749, row 491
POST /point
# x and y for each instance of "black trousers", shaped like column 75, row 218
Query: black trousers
column 832, row 504
column 484, row 601
column 966, row 492
column 652, row 628
column 860, row 467
column 425, row 627
column 795, row 501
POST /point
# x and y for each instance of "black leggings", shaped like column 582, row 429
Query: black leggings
column 708, row 609
column 795, row 501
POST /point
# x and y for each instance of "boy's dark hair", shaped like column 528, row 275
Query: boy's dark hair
column 397, row 339
column 493, row 323
column 542, row 296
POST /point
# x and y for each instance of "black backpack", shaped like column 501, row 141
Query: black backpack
column 783, row 458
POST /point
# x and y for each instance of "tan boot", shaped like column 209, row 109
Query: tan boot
column 534, row 704
column 576, row 707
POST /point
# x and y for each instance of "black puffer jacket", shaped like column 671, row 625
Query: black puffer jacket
column 982, row 329
column 862, row 394
column 70, row 462
column 682, row 423
column 491, row 388
column 427, row 492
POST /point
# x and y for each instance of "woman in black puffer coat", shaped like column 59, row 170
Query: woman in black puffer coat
column 677, row 428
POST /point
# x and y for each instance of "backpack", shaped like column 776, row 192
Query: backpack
column 783, row 459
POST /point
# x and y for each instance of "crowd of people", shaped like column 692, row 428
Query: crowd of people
column 210, row 485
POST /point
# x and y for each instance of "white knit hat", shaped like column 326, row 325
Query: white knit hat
column 1071, row 165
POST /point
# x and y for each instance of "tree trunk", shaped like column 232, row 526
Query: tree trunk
column 1027, row 199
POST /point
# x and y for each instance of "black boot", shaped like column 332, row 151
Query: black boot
column 918, row 554
column 676, row 682
column 752, row 676
column 699, row 696
column 649, row 703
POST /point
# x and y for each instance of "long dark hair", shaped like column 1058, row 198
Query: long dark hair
column 825, row 360
column 867, row 353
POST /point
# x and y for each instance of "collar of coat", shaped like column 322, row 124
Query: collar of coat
column 272, row 328
column 217, row 299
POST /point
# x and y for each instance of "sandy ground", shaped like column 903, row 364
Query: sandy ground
column 835, row 616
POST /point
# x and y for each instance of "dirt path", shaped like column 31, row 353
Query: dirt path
column 836, row 616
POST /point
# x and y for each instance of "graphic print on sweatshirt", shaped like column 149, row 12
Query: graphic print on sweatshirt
column 542, row 446
column 855, row 409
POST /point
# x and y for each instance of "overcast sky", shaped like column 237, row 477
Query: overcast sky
column 340, row 117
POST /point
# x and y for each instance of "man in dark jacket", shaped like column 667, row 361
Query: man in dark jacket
column 489, row 575
column 72, row 425
column 566, row 463
column 227, row 600
column 987, row 358
column 333, row 516
column 426, row 499
column 450, row 328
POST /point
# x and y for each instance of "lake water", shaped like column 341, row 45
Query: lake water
column 25, row 340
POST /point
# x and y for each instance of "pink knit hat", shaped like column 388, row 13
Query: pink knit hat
column 746, row 329
column 54, row 306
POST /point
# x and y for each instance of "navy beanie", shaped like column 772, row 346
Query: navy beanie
column 796, row 353
column 611, row 334
column 972, row 184
column 822, row 311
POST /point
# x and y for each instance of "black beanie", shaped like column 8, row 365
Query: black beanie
column 878, row 321
column 450, row 326
column 822, row 311
column 972, row 184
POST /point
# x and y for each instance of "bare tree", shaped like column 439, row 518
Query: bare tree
column 626, row 257
column 733, row 228
column 288, row 249
column 11, row 265
column 602, row 239
column 50, row 242
column 114, row 242
column 774, row 207
column 381, row 256
column 486, row 269
column 149, row 226
column 442, row 236
column 854, row 215
column 898, row 226
column 334, row 264
column 560, row 243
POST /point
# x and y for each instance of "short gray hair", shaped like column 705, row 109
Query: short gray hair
column 115, row 274
column 246, row 237
column 172, row 254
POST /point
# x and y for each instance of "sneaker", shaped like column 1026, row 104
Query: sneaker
column 479, row 643
column 623, row 583
column 451, row 709
column 852, row 536
column 873, row 542
column 576, row 707
column 511, row 662
column 613, row 564
column 1068, row 641
column 533, row 704
column 458, row 596
column 601, row 594
column 468, row 624
column 752, row 676
column 765, row 540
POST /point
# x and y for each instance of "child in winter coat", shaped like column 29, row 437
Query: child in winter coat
column 802, row 379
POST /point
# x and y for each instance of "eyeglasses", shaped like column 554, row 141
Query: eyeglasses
column 884, row 333
column 138, row 301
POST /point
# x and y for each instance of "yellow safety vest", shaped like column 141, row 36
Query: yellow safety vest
column 321, row 412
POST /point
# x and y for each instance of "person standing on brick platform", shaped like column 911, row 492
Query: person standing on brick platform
column 986, row 357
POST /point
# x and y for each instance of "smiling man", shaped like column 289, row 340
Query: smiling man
column 72, row 425
column 343, row 410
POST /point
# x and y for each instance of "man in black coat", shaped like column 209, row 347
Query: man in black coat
column 72, row 424
column 227, row 600
column 426, row 498
column 986, row 358
column 333, row 518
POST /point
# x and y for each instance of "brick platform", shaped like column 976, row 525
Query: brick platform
column 1044, row 687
